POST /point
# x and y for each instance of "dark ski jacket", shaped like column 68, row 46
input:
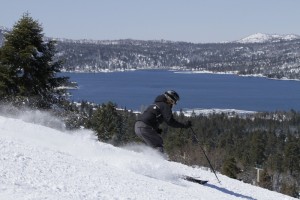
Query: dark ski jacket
column 160, row 111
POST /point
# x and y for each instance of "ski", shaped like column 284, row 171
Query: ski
column 194, row 180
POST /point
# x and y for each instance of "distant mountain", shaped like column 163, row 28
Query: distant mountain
column 278, row 59
column 3, row 30
column 273, row 56
column 261, row 38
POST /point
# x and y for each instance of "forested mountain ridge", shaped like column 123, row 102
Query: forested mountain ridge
column 279, row 59
column 274, row 58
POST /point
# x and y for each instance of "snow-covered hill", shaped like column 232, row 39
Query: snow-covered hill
column 261, row 37
column 39, row 162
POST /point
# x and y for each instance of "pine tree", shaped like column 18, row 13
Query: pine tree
column 292, row 155
column 265, row 180
column 257, row 148
column 127, row 121
column 230, row 168
column 6, row 84
column 29, row 61
column 106, row 122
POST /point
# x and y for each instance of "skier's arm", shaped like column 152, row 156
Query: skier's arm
column 174, row 123
column 169, row 119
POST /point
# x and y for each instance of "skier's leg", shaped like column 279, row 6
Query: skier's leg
column 148, row 135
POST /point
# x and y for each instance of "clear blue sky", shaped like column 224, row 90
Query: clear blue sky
column 197, row 21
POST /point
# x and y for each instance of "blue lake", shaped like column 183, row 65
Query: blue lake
column 134, row 89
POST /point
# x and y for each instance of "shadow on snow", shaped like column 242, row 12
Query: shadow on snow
column 229, row 192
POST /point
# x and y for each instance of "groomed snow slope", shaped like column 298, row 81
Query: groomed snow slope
column 38, row 162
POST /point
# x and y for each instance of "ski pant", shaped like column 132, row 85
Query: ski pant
column 149, row 135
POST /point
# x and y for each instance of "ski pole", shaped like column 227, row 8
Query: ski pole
column 211, row 167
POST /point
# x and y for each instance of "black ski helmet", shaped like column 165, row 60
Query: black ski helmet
column 172, row 95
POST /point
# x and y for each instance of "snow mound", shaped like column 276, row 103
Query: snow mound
column 39, row 162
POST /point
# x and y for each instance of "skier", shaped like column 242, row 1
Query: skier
column 147, row 124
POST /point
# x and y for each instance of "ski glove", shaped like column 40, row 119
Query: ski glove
column 159, row 131
column 188, row 124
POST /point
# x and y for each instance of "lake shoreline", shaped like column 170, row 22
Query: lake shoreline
column 184, row 71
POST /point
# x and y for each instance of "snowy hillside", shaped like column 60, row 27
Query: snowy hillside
column 39, row 162
column 261, row 37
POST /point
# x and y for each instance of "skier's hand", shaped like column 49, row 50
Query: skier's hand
column 159, row 131
column 188, row 124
